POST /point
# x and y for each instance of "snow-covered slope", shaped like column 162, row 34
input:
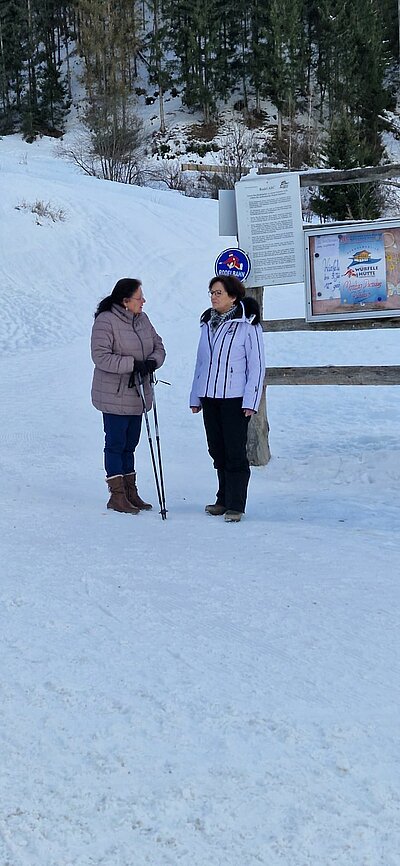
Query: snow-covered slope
column 185, row 691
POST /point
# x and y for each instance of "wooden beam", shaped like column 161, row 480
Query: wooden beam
column 198, row 166
column 277, row 325
column 333, row 177
column 361, row 375
column 325, row 177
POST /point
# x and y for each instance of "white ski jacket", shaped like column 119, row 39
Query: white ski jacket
column 230, row 362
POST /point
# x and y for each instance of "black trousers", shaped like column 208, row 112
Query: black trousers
column 226, row 431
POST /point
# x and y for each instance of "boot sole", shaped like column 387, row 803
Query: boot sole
column 122, row 511
column 233, row 516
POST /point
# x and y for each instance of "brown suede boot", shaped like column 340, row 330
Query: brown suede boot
column 132, row 494
column 118, row 500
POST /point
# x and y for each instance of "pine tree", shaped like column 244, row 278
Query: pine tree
column 286, row 71
column 361, row 68
column 194, row 32
column 33, row 92
column 108, row 41
column 228, row 21
column 348, row 201
column 389, row 10
column 157, row 41
column 12, row 34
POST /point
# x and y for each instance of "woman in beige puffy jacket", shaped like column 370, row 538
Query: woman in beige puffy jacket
column 126, row 349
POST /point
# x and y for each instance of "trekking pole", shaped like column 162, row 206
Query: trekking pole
column 164, row 510
column 161, row 501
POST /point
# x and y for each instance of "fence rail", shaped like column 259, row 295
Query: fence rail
column 327, row 177
column 332, row 375
column 277, row 325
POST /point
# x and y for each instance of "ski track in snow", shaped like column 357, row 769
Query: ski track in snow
column 185, row 692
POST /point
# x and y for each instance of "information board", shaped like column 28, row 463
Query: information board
column 270, row 227
column 352, row 270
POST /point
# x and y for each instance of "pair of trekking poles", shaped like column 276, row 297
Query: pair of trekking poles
column 157, row 469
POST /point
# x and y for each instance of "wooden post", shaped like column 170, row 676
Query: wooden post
column 257, row 439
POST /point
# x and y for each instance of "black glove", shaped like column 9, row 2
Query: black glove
column 151, row 365
column 139, row 367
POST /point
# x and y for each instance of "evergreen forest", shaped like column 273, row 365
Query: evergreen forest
column 333, row 61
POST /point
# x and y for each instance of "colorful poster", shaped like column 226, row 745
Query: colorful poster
column 326, row 267
column 353, row 271
column 392, row 252
column 362, row 267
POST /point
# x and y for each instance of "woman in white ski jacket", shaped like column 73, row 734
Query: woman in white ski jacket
column 227, row 386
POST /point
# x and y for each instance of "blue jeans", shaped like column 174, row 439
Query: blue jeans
column 122, row 434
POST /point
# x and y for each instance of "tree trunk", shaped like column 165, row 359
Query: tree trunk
column 279, row 129
column 161, row 104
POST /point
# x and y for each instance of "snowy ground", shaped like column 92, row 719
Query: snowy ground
column 185, row 691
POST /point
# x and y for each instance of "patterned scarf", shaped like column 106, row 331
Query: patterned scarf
column 216, row 319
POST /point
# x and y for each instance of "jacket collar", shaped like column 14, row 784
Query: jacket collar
column 125, row 315
column 248, row 311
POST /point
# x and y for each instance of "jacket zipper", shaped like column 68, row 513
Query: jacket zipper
column 138, row 336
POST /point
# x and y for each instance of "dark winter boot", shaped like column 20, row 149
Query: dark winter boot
column 233, row 516
column 132, row 494
column 118, row 500
column 216, row 509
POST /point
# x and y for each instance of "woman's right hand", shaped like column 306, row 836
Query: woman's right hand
column 195, row 409
column 140, row 367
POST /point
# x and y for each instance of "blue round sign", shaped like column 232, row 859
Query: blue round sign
column 233, row 263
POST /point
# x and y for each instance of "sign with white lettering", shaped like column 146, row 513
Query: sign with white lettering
column 233, row 263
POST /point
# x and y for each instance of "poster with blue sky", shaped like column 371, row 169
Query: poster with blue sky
column 362, row 267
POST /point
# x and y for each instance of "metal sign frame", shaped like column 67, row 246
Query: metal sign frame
column 352, row 270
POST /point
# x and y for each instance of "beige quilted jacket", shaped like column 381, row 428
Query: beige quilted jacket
column 118, row 338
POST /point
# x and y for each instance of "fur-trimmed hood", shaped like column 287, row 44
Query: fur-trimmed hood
column 248, row 308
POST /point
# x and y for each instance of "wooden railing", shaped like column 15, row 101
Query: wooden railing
column 258, row 443
column 332, row 374
column 325, row 177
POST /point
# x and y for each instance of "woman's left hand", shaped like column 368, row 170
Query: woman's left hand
column 249, row 412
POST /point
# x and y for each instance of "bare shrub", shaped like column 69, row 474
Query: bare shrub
column 203, row 131
column 109, row 148
column 239, row 152
column 297, row 147
column 79, row 151
column 44, row 210
column 169, row 172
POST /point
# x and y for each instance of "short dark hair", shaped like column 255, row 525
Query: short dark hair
column 232, row 285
